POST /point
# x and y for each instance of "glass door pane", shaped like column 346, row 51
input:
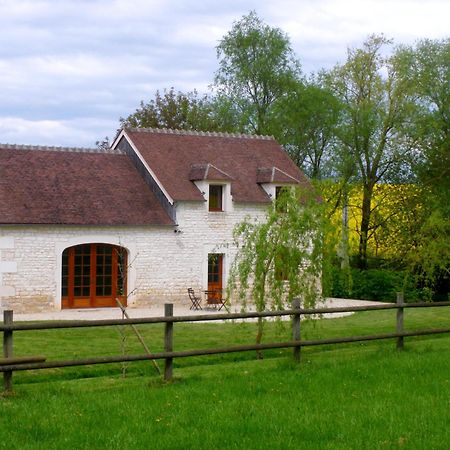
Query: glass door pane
column 104, row 261
column 82, row 271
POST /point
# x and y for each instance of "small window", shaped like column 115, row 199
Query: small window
column 215, row 197
column 281, row 193
column 281, row 190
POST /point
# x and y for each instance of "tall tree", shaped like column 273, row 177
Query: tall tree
column 375, row 102
column 305, row 120
column 426, row 67
column 256, row 67
column 176, row 110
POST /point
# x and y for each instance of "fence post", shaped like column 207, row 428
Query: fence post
column 168, row 342
column 296, row 330
column 7, row 350
column 400, row 320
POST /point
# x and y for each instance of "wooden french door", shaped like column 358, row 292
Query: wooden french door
column 215, row 272
column 93, row 276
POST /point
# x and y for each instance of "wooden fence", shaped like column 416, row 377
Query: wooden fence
column 9, row 364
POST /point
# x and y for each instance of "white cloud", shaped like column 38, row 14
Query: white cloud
column 69, row 64
column 321, row 30
column 78, row 132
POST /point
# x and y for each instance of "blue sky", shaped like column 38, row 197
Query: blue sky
column 69, row 69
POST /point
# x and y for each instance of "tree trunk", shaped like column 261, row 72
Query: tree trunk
column 365, row 224
column 345, row 263
column 259, row 354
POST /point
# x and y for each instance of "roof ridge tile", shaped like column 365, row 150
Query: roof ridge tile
column 201, row 133
column 51, row 148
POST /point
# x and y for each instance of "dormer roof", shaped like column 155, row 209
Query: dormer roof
column 207, row 172
column 274, row 175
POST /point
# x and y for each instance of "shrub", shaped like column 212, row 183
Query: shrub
column 340, row 282
column 374, row 284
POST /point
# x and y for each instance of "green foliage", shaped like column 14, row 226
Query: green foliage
column 431, row 252
column 374, row 100
column 304, row 120
column 281, row 258
column 256, row 67
column 426, row 67
column 340, row 282
column 176, row 110
column 409, row 233
column 379, row 284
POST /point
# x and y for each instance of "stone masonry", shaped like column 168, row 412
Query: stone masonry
column 163, row 260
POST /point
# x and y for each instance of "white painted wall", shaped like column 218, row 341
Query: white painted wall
column 163, row 263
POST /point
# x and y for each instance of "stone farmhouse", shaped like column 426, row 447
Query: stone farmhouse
column 142, row 221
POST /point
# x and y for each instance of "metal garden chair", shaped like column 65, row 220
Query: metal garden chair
column 194, row 300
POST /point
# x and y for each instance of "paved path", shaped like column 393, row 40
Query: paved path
column 158, row 311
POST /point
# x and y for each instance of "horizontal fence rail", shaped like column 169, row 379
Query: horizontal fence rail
column 215, row 351
column 205, row 317
column 9, row 364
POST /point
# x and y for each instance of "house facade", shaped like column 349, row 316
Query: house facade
column 142, row 221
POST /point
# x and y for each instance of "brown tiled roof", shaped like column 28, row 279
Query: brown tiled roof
column 73, row 186
column 207, row 172
column 171, row 155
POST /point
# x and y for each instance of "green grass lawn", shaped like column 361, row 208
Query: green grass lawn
column 351, row 396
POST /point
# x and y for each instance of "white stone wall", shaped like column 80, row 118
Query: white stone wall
column 164, row 261
column 7, row 264
column 201, row 232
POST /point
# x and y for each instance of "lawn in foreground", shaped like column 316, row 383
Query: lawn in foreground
column 353, row 396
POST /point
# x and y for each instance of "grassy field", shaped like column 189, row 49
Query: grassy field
column 353, row 396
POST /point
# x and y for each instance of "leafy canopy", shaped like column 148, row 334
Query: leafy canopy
column 375, row 104
column 305, row 121
column 256, row 66
column 175, row 110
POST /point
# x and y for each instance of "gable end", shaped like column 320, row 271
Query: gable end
column 124, row 146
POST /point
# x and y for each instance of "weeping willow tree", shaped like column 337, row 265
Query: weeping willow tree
column 282, row 257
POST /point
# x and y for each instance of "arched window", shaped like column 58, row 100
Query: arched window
column 93, row 275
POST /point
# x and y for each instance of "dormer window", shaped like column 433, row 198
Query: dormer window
column 215, row 186
column 279, row 190
column 274, row 181
column 280, row 199
column 215, row 197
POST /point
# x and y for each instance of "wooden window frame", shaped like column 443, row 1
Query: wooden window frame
column 215, row 279
column 218, row 195
column 92, row 300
